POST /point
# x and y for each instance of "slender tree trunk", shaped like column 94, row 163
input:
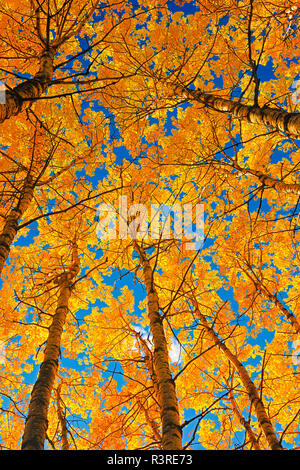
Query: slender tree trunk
column 62, row 420
column 244, row 423
column 152, row 424
column 148, row 359
column 22, row 96
column 269, row 181
column 279, row 119
column 263, row 418
column 171, row 429
column 265, row 291
column 11, row 225
column 289, row 315
column 37, row 423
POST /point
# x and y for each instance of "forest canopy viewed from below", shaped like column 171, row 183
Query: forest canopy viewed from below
column 149, row 225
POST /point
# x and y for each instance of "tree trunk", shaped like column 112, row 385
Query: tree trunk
column 37, row 423
column 22, row 96
column 279, row 119
column 273, row 297
column 171, row 429
column 263, row 419
column 244, row 423
column 152, row 424
column 11, row 225
column 267, row 180
column 148, row 359
column 270, row 182
column 289, row 315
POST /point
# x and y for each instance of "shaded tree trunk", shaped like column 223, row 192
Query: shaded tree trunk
column 11, row 225
column 269, row 181
column 148, row 359
column 152, row 424
column 37, row 423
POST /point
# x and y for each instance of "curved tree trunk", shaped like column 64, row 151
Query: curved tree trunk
column 11, row 225
column 171, row 429
column 263, row 418
column 37, row 422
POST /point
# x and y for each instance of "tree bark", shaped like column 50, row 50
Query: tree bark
column 171, row 429
column 37, row 423
column 11, row 225
column 22, row 96
column 263, row 418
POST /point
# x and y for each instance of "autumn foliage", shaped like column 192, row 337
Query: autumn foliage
column 145, row 340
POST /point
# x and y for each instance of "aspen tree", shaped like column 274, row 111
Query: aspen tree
column 36, row 422
column 263, row 418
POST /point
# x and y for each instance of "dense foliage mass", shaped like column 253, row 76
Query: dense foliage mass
column 135, row 335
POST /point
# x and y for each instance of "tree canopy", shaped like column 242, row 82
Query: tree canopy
column 149, row 225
